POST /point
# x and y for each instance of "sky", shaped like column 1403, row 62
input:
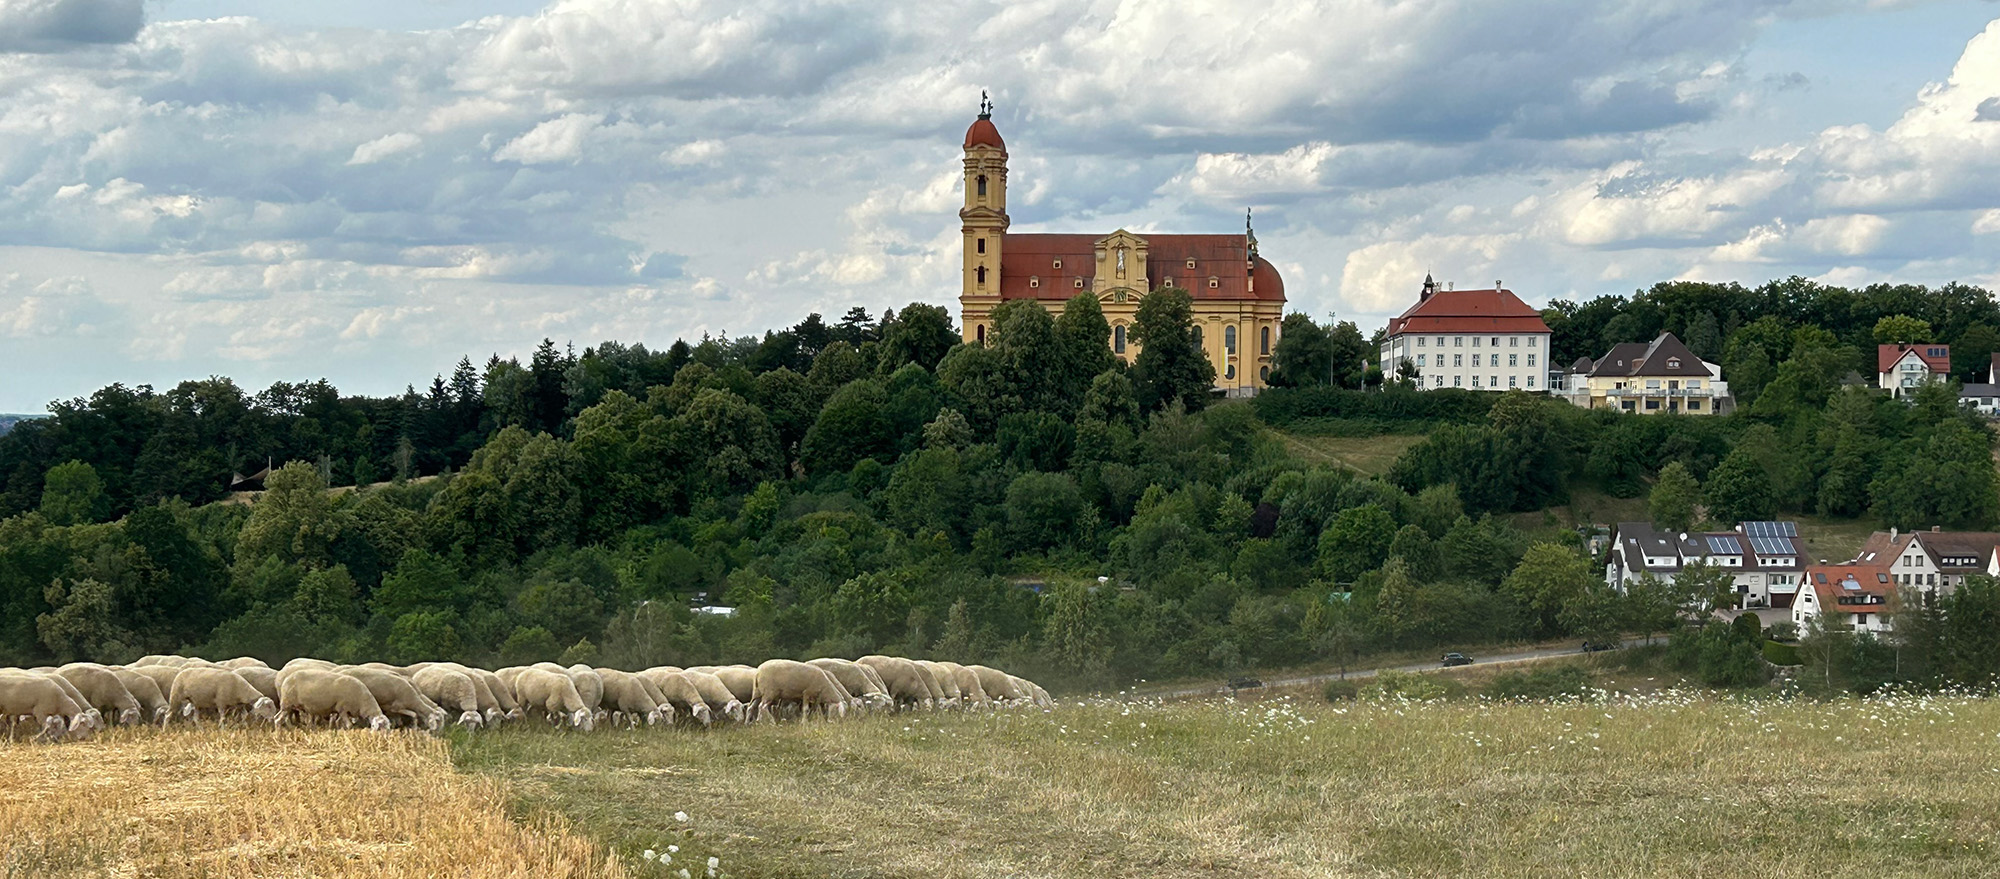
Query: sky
column 366, row 191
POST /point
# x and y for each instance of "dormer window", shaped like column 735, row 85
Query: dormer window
column 1058, row 262
column 1079, row 283
column 1034, row 281
column 1673, row 363
column 1190, row 263
column 1214, row 282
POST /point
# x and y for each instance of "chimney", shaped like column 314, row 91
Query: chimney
column 1499, row 284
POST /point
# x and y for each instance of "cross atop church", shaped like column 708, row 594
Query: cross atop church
column 985, row 106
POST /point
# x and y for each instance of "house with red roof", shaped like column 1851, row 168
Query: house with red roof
column 1857, row 598
column 1483, row 340
column 1238, row 297
column 1901, row 369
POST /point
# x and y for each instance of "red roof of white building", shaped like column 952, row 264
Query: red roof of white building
column 1469, row 311
column 1852, row 588
column 1936, row 357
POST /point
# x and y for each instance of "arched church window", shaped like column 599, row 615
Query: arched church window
column 1118, row 338
column 981, row 274
column 982, row 334
column 1197, row 335
column 1229, row 340
column 982, row 186
column 1229, row 371
column 982, row 245
column 1264, row 340
column 1264, row 374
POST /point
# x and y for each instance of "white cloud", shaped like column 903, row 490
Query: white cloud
column 557, row 140
column 384, row 147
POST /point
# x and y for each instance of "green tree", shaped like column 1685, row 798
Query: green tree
column 421, row 581
column 1085, row 337
column 1902, row 329
column 326, row 595
column 1303, row 356
column 1074, row 632
column 528, row 645
column 1739, row 490
column 293, row 521
column 72, row 494
column 1356, row 542
column 1171, row 366
column 1549, row 578
column 1700, row 587
column 426, row 636
column 921, row 334
column 80, row 623
column 1045, row 510
column 1672, row 502
column 851, row 427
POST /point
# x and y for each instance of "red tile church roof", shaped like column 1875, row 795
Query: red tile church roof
column 1469, row 311
column 1033, row 256
column 982, row 133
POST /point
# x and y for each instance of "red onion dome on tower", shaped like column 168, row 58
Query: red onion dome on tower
column 982, row 132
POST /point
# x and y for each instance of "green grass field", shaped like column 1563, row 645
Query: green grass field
column 1666, row 785
column 1371, row 455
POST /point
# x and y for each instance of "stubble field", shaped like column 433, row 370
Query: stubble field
column 1655, row 786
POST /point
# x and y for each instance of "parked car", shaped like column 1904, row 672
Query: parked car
column 1594, row 646
column 1451, row 659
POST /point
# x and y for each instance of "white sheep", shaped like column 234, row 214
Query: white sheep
column 311, row 694
column 38, row 696
column 626, row 695
column 219, row 690
column 451, row 690
column 152, row 700
column 103, row 691
column 856, row 679
column 397, row 697
column 718, row 696
column 552, row 696
column 679, row 692
column 905, row 680
column 785, row 682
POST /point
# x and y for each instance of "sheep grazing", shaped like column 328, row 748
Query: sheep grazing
column 309, row 695
column 784, row 682
column 397, row 697
column 502, row 693
column 679, row 692
column 946, row 682
column 590, row 686
column 453, row 691
column 552, row 696
column 103, row 691
column 855, row 678
column 718, row 695
column 92, row 717
column 904, row 680
column 38, row 696
column 243, row 662
column 998, row 685
column 219, row 690
column 971, row 694
column 262, row 677
column 625, row 694
column 152, row 700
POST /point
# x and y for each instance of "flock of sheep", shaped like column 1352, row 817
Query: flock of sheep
column 76, row 700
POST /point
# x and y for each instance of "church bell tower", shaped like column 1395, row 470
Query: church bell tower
column 984, row 221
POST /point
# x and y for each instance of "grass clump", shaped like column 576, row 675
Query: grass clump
column 1554, row 682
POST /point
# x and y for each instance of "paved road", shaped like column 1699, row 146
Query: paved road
column 1363, row 674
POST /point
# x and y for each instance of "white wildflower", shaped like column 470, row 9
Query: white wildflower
column 681, row 817
column 648, row 854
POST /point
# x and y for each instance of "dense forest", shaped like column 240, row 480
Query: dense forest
column 873, row 484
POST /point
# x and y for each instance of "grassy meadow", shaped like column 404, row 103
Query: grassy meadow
column 1662, row 785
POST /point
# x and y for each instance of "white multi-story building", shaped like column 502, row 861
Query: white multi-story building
column 1482, row 340
column 1764, row 559
column 1901, row 369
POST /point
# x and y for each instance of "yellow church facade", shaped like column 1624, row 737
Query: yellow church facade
column 1238, row 297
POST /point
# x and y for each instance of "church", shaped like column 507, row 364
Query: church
column 1239, row 300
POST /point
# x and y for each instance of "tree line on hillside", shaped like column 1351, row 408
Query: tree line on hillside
column 874, row 485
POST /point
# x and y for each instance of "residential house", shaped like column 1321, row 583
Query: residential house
column 1481, row 340
column 1663, row 376
column 1852, row 597
column 1765, row 559
column 1931, row 561
column 1901, row 369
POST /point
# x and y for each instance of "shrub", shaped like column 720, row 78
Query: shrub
column 1393, row 685
column 1780, row 653
column 1342, row 691
column 1543, row 684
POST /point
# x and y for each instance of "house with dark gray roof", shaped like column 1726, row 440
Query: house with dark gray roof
column 1649, row 379
column 1765, row 559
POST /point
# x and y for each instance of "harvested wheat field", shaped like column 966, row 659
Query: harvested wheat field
column 263, row 802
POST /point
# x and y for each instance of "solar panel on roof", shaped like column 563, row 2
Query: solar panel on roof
column 1771, row 546
column 1725, row 546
